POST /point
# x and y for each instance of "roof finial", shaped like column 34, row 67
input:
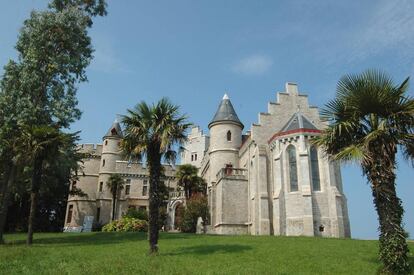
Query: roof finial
column 225, row 96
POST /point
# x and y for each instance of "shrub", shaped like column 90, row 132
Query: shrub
column 196, row 206
column 126, row 224
column 139, row 214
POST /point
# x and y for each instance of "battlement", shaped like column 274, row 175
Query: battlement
column 91, row 148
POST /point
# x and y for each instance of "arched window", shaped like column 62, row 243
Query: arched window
column 228, row 136
column 316, row 182
column 103, row 163
column 293, row 168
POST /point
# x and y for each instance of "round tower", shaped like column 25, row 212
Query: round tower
column 110, row 148
column 110, row 154
column 225, row 138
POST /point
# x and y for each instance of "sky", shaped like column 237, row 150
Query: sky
column 194, row 51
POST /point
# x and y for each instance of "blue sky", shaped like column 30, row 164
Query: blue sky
column 194, row 51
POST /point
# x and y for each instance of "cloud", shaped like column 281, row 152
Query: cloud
column 253, row 65
column 388, row 28
column 105, row 57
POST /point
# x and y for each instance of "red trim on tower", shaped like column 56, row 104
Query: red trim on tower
column 295, row 131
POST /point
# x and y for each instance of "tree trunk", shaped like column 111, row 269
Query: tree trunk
column 9, row 179
column 34, row 190
column 154, row 163
column 392, row 241
column 113, row 206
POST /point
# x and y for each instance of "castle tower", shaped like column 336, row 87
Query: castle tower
column 110, row 154
column 225, row 137
column 225, row 192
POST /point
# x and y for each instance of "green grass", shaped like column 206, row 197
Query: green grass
column 126, row 253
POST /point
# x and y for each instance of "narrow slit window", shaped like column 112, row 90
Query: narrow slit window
column 316, row 182
column 228, row 136
column 293, row 169
column 70, row 212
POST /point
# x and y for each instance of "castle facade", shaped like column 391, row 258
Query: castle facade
column 269, row 181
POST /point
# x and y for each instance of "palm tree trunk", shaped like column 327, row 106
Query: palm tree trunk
column 113, row 206
column 154, row 163
column 34, row 190
column 392, row 241
column 9, row 178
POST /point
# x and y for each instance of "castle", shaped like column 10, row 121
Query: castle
column 269, row 181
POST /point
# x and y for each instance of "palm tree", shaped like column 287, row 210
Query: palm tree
column 187, row 176
column 115, row 184
column 370, row 119
column 42, row 143
column 153, row 131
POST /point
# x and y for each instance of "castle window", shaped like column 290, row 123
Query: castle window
column 127, row 189
column 145, row 188
column 293, row 168
column 70, row 212
column 106, row 142
column 101, row 186
column 192, row 157
column 316, row 182
column 228, row 136
column 195, row 157
column 103, row 163
column 98, row 214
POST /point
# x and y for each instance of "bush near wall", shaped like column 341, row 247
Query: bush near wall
column 126, row 224
column 196, row 206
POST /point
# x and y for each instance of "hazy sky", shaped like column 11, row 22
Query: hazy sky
column 194, row 51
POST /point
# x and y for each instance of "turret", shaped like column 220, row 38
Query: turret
column 110, row 154
column 110, row 148
column 225, row 137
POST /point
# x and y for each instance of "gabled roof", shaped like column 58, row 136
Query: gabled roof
column 298, row 121
column 115, row 130
column 225, row 112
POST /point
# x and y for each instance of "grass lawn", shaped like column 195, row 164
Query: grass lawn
column 126, row 253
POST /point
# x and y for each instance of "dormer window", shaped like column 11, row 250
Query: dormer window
column 114, row 132
column 228, row 136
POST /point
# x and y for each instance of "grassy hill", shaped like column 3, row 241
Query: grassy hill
column 126, row 253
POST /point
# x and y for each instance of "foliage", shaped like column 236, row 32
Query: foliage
column 370, row 118
column 188, row 179
column 196, row 206
column 53, row 253
column 58, row 172
column 139, row 214
column 126, row 224
column 38, row 93
column 152, row 131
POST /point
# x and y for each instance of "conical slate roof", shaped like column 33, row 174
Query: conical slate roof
column 298, row 121
column 225, row 112
column 115, row 130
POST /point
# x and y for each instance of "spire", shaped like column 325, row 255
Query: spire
column 115, row 130
column 225, row 112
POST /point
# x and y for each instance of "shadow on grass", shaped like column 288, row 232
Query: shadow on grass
column 210, row 249
column 94, row 238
